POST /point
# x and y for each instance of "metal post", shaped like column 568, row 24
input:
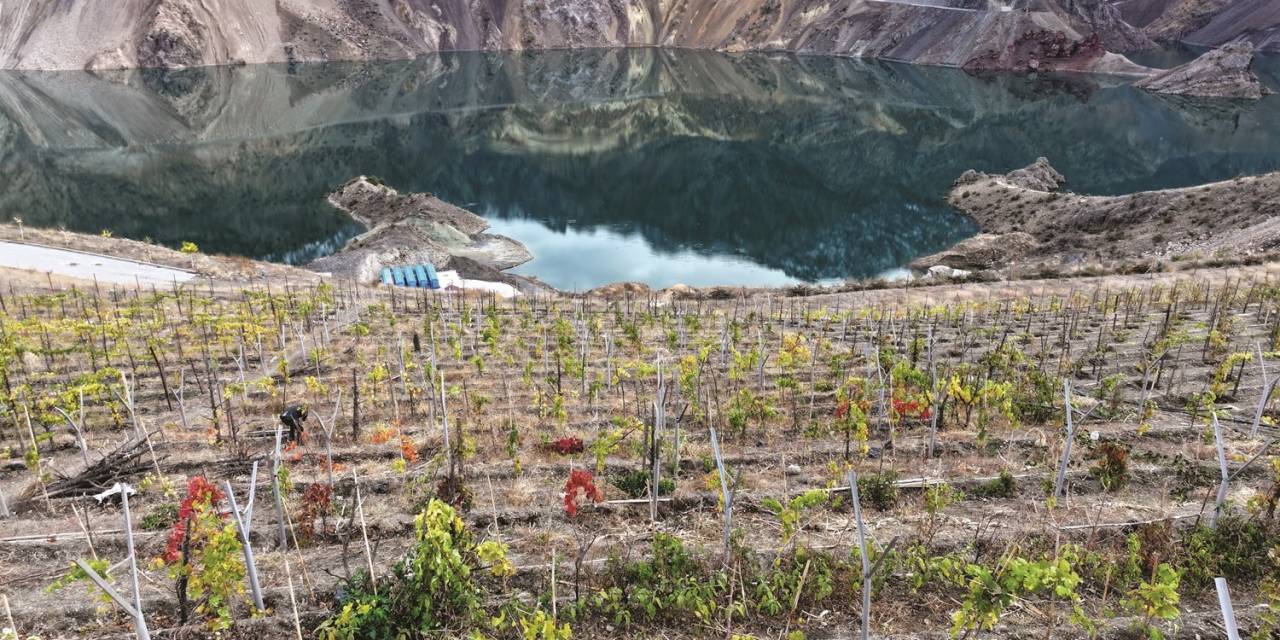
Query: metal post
column 1222, row 466
column 249, row 565
column 275, row 489
column 724, row 491
column 1267, row 389
column 139, row 620
column 1228, row 613
column 866, row 563
column 1066, row 448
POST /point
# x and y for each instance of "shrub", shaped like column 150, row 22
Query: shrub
column 789, row 514
column 160, row 518
column 454, row 492
column 635, row 483
column 1235, row 549
column 315, row 503
column 566, row 446
column 431, row 589
column 1004, row 486
column 580, row 482
column 879, row 490
column 1112, row 468
column 204, row 554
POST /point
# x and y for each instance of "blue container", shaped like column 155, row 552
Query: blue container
column 420, row 271
column 432, row 277
column 410, row 280
column 386, row 276
column 398, row 274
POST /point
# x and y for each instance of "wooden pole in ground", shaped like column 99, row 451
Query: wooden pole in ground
column 364, row 531
column 8, row 615
column 444, row 424
column 293, row 600
column 75, row 428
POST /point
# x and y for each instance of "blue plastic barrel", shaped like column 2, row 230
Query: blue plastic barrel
column 398, row 274
column 386, row 276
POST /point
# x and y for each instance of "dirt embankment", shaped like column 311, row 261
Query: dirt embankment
column 1239, row 217
column 415, row 228
column 213, row 267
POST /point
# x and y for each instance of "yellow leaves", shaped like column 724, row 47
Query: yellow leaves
column 795, row 351
column 494, row 554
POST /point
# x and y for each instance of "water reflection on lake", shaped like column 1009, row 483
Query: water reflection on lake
column 656, row 166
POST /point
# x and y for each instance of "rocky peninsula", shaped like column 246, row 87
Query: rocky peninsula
column 1028, row 221
column 415, row 228
column 1220, row 73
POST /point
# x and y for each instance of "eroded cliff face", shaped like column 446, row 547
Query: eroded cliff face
column 1206, row 23
column 79, row 34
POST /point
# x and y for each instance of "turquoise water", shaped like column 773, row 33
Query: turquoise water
column 655, row 166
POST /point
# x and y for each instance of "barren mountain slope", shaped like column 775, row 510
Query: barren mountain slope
column 75, row 34
column 1237, row 216
column 1206, row 23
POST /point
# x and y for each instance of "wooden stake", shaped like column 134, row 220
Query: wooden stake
column 364, row 532
column 293, row 600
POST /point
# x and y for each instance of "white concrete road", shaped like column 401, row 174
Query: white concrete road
column 87, row 266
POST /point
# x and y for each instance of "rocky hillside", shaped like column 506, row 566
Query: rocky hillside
column 1221, row 73
column 92, row 34
column 1232, row 217
column 1205, row 23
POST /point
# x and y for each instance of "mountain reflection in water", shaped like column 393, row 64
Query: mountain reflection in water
column 640, row 164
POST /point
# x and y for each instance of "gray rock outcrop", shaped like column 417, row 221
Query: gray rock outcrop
column 412, row 228
column 1221, row 73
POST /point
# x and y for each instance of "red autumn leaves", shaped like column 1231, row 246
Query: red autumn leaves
column 565, row 446
column 581, row 485
column 201, row 495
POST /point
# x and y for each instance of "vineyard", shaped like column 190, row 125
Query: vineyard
column 1083, row 461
